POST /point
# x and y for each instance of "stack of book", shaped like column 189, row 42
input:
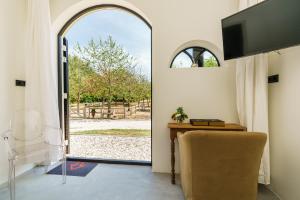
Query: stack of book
column 207, row 122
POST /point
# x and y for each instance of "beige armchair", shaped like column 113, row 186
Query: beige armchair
column 220, row 165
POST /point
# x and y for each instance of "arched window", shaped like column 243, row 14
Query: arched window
column 195, row 57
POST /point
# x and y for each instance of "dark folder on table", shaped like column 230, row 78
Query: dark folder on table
column 207, row 122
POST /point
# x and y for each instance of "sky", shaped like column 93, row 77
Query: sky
column 128, row 30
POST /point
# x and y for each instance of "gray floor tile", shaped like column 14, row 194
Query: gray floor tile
column 105, row 182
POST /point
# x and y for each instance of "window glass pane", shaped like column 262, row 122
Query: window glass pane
column 209, row 60
column 190, row 51
column 195, row 57
column 182, row 61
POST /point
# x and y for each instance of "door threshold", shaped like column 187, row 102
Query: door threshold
column 110, row 161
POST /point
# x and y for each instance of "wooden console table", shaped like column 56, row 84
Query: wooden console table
column 184, row 127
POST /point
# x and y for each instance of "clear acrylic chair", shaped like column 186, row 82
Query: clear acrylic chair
column 23, row 149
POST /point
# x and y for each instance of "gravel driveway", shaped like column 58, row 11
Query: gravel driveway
column 110, row 147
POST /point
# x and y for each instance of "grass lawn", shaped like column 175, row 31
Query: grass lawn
column 117, row 132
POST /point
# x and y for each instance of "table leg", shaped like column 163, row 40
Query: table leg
column 173, row 157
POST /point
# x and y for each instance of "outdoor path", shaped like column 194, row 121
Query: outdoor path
column 111, row 147
column 90, row 124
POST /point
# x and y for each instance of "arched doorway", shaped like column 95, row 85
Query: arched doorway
column 102, row 107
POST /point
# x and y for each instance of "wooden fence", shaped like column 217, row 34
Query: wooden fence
column 99, row 111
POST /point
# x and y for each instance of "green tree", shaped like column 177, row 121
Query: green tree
column 81, row 80
column 210, row 62
column 143, row 89
column 111, row 63
column 104, row 71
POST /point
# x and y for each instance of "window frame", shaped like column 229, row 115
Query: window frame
column 185, row 52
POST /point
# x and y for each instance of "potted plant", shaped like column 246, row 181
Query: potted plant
column 179, row 115
column 93, row 112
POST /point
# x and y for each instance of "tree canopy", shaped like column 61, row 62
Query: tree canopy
column 103, row 71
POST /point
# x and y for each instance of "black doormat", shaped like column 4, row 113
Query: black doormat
column 75, row 168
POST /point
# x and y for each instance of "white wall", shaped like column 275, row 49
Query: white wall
column 284, row 106
column 204, row 93
column 5, row 86
column 11, row 36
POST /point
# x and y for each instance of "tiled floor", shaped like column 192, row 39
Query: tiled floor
column 105, row 182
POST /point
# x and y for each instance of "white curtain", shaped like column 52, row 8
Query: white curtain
column 41, row 94
column 252, row 97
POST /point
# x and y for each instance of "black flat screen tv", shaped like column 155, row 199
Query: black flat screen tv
column 267, row 26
